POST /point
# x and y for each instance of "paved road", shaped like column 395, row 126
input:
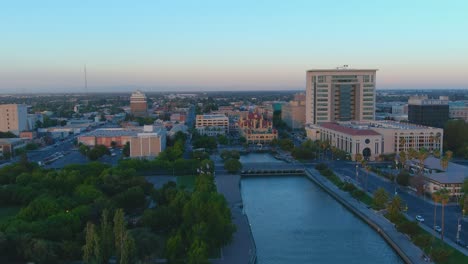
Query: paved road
column 416, row 205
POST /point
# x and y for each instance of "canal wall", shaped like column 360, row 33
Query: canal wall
column 414, row 258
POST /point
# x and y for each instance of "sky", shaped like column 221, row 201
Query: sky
column 228, row 45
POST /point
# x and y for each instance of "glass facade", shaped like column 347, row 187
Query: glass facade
column 345, row 102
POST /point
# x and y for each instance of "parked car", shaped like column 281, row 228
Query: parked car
column 420, row 218
column 438, row 229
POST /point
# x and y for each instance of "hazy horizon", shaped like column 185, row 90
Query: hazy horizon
column 216, row 45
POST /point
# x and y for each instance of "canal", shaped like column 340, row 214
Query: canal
column 294, row 221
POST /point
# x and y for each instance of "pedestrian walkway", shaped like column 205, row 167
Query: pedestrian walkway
column 409, row 252
column 242, row 248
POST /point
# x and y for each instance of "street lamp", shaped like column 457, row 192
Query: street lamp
column 357, row 173
column 394, row 178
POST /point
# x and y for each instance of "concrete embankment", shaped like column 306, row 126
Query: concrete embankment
column 409, row 252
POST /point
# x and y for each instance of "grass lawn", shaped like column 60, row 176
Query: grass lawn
column 6, row 212
column 455, row 258
column 187, row 181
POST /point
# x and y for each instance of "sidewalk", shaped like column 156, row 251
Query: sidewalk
column 242, row 248
column 409, row 252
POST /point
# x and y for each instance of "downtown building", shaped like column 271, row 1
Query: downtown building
column 257, row 129
column 138, row 104
column 212, row 124
column 293, row 113
column 340, row 94
column 428, row 112
column 13, row 118
column 374, row 138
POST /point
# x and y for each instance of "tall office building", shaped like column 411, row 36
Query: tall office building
column 138, row 104
column 340, row 94
column 428, row 112
column 293, row 113
column 13, row 118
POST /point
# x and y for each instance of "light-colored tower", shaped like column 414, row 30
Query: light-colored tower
column 138, row 104
column 13, row 118
column 340, row 94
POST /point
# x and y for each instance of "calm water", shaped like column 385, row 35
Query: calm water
column 294, row 221
column 259, row 157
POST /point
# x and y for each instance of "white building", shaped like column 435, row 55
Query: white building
column 353, row 140
column 340, row 95
column 387, row 137
column 212, row 125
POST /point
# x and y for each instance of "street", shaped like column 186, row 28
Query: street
column 416, row 205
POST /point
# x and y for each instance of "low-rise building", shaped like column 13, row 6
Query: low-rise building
column 149, row 143
column 348, row 138
column 256, row 129
column 108, row 137
column 395, row 137
column 458, row 110
column 212, row 124
column 8, row 146
column 437, row 177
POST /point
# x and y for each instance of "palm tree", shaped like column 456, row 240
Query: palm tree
column 402, row 143
column 422, row 156
column 436, row 198
column 436, row 153
column 444, row 198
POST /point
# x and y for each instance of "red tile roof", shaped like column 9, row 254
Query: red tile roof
column 349, row 130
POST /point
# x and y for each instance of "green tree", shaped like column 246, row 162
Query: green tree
column 175, row 248
column 198, row 253
column 223, row 140
column 394, row 208
column 127, row 255
column 126, row 150
column 119, row 232
column 380, row 198
column 91, row 249
column 403, row 178
column 232, row 165
column 107, row 236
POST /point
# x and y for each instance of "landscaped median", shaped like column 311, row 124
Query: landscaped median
column 439, row 251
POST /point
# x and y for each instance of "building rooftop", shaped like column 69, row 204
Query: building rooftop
column 112, row 132
column 455, row 173
column 5, row 141
column 210, row 116
column 395, row 125
column 342, row 70
column 349, row 130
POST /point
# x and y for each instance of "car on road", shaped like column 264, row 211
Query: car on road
column 420, row 218
column 438, row 229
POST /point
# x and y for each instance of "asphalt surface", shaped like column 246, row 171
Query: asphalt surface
column 416, row 205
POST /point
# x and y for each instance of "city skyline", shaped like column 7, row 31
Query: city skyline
column 192, row 46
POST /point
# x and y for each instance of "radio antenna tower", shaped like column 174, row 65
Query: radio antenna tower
column 85, row 80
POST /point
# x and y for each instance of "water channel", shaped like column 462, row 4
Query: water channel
column 294, row 221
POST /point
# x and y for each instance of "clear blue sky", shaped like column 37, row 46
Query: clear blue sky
column 215, row 45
